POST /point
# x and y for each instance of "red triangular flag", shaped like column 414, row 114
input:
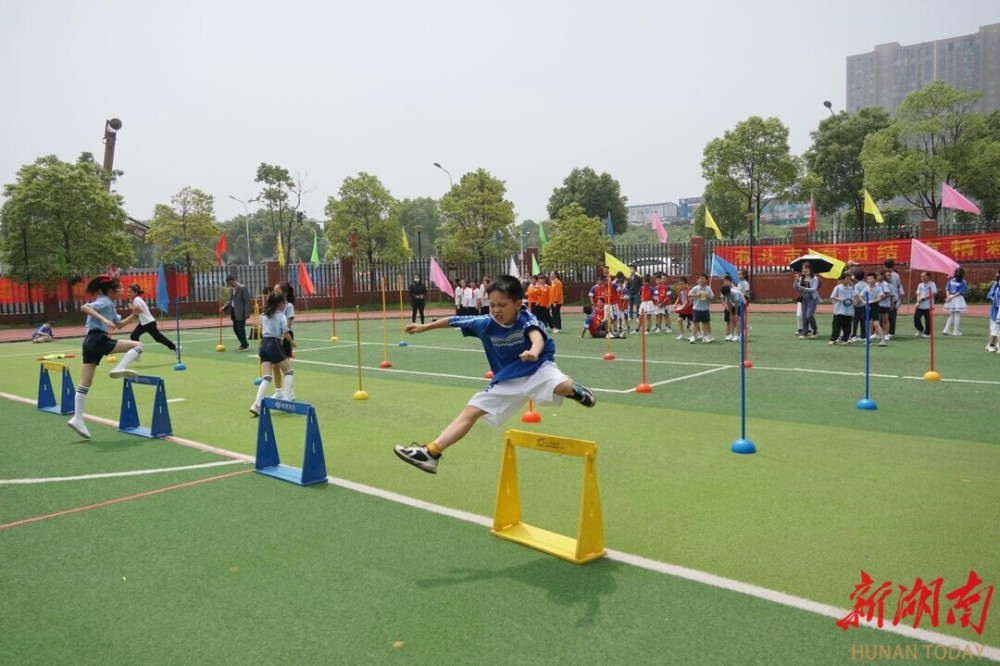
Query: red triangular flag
column 812, row 214
column 306, row 285
column 220, row 248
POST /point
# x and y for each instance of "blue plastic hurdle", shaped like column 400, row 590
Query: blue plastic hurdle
column 268, row 462
column 128, row 421
column 46, row 394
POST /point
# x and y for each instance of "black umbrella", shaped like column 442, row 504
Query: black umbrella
column 818, row 264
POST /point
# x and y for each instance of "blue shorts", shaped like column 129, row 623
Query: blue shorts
column 96, row 345
column 270, row 350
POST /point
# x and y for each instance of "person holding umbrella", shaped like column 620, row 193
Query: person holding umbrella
column 807, row 286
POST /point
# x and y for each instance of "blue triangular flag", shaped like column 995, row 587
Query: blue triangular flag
column 162, row 294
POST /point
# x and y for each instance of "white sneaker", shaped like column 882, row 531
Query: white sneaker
column 888, row 337
column 957, row 334
column 656, row 330
column 991, row 348
column 691, row 339
column 123, row 373
column 79, row 428
column 668, row 330
column 680, row 337
column 708, row 339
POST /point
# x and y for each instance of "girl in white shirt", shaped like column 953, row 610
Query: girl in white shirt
column 147, row 324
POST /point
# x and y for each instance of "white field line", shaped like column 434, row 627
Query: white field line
column 638, row 561
column 113, row 475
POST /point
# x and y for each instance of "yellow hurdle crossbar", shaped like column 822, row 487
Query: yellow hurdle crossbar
column 589, row 542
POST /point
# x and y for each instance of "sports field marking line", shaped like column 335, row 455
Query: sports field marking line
column 693, row 575
column 114, row 475
column 118, row 500
column 48, row 350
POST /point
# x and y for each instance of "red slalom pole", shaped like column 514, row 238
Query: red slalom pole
column 643, row 386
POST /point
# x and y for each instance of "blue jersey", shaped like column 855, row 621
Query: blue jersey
column 105, row 307
column 503, row 344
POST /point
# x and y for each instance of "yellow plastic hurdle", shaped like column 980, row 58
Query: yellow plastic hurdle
column 589, row 543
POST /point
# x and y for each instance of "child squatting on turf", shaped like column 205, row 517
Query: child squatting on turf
column 522, row 359
column 98, row 343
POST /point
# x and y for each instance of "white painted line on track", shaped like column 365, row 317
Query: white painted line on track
column 702, row 577
column 114, row 475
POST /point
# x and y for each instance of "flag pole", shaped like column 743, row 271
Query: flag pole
column 402, row 318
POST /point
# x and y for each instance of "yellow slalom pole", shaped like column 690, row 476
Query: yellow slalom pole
column 402, row 316
column 333, row 313
column 385, row 331
column 360, row 394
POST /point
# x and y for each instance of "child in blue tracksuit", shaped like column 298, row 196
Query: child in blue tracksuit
column 993, row 296
column 842, row 297
column 522, row 358
column 44, row 333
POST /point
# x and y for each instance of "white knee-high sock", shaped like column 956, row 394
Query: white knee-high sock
column 289, row 376
column 958, row 320
column 130, row 356
column 80, row 401
column 265, row 381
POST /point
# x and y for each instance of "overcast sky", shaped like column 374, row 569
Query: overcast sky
column 527, row 89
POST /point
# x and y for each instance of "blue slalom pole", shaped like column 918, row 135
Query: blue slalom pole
column 177, row 323
column 867, row 403
column 743, row 445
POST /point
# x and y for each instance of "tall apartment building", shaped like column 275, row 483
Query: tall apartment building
column 885, row 76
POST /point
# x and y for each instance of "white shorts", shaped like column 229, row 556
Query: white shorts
column 995, row 328
column 503, row 400
column 663, row 309
column 647, row 307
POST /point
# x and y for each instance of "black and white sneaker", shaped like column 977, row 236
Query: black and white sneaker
column 418, row 456
column 584, row 395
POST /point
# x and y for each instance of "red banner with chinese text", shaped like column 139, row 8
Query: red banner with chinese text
column 980, row 247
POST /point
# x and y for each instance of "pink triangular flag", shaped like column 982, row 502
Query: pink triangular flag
column 658, row 227
column 926, row 258
column 441, row 280
column 952, row 198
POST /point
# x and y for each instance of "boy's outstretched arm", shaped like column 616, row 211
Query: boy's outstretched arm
column 420, row 328
column 537, row 345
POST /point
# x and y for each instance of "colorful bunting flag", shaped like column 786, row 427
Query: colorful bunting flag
column 615, row 266
column 872, row 209
column 952, row 198
column 661, row 231
column 812, row 214
column 710, row 224
column 314, row 259
column 925, row 258
column 440, row 280
column 306, row 285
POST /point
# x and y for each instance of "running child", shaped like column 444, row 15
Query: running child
column 273, row 332
column 102, row 318
column 522, row 358
column 147, row 323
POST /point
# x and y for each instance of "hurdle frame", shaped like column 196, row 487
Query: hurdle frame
column 128, row 420
column 589, row 543
column 46, row 393
column 268, row 461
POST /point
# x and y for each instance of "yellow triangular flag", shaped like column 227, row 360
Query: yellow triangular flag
column 871, row 208
column 838, row 265
column 281, row 252
column 710, row 224
column 615, row 266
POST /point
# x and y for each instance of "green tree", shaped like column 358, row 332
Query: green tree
column 185, row 232
column 935, row 132
column 578, row 239
column 753, row 160
column 364, row 222
column 979, row 176
column 476, row 220
column 281, row 197
column 58, row 221
column 728, row 206
column 835, row 157
column 598, row 195
column 420, row 213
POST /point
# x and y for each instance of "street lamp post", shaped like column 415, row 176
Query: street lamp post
column 420, row 253
column 450, row 181
column 111, row 128
column 246, row 219
column 836, row 219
